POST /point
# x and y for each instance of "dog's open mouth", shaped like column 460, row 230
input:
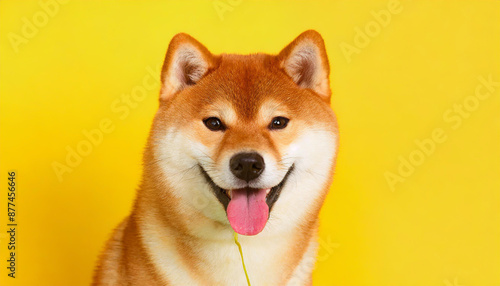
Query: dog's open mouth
column 248, row 208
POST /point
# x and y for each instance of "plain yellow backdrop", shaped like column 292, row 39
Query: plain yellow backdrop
column 416, row 194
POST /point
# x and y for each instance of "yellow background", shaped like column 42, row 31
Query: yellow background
column 441, row 226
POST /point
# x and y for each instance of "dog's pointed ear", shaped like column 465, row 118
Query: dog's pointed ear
column 306, row 62
column 187, row 61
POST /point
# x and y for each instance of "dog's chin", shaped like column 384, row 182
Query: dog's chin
column 224, row 198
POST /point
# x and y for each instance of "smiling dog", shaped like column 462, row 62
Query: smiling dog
column 243, row 143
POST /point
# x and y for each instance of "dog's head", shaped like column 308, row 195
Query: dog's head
column 243, row 139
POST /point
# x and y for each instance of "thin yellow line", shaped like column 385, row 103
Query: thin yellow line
column 242, row 260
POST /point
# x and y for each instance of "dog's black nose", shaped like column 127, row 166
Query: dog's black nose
column 247, row 166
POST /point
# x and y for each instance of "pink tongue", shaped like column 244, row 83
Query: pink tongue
column 247, row 211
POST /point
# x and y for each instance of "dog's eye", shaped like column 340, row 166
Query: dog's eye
column 214, row 124
column 278, row 123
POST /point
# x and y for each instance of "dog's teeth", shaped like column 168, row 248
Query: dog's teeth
column 226, row 192
column 268, row 191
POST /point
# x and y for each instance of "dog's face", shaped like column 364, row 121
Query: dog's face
column 246, row 139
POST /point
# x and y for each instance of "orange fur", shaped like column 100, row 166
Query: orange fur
column 245, row 90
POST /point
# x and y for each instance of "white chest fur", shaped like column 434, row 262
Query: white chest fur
column 219, row 263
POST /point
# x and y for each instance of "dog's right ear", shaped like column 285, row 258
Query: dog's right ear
column 187, row 61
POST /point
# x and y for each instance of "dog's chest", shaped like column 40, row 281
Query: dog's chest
column 264, row 263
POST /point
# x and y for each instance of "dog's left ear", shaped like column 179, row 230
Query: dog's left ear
column 306, row 62
column 187, row 61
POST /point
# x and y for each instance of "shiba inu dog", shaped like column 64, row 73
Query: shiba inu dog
column 240, row 143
